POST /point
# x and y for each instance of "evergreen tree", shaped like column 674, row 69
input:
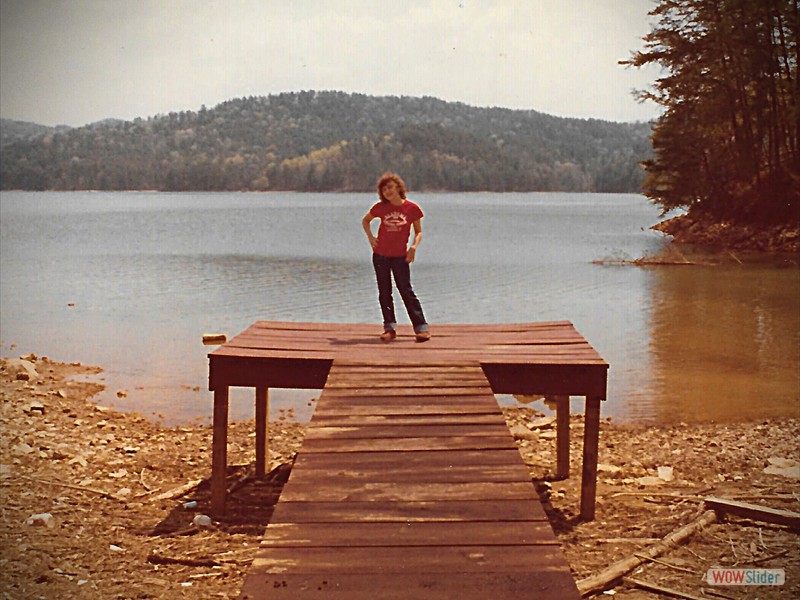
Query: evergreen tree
column 728, row 141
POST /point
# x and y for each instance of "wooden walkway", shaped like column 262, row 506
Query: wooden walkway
column 409, row 484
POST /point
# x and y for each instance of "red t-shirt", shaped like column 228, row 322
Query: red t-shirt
column 395, row 226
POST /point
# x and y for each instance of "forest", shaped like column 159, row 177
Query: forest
column 728, row 144
column 332, row 141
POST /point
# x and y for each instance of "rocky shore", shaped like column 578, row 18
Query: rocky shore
column 103, row 504
column 704, row 231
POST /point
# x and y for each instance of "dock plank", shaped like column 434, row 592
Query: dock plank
column 359, row 431
column 430, row 586
column 358, row 491
column 425, row 533
column 406, row 511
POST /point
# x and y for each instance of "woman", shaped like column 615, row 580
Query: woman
column 391, row 255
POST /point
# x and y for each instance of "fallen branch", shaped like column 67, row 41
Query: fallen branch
column 627, row 540
column 673, row 495
column 600, row 581
column 81, row 488
column 158, row 559
column 179, row 491
column 664, row 563
column 190, row 530
column 661, row 589
column 239, row 482
column 769, row 558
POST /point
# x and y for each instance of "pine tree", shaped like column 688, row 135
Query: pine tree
column 727, row 143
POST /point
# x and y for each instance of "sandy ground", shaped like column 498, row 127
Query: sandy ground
column 99, row 504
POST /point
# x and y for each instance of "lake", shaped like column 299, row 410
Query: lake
column 131, row 281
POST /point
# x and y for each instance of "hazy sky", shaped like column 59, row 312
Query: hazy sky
column 77, row 61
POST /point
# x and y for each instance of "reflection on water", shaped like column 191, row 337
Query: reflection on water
column 725, row 341
column 130, row 282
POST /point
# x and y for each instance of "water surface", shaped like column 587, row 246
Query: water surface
column 130, row 282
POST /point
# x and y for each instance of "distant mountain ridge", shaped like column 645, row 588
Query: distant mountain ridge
column 13, row 131
column 333, row 141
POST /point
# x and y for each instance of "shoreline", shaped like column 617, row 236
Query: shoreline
column 700, row 230
column 115, row 485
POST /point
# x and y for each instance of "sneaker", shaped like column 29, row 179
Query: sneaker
column 423, row 336
column 388, row 335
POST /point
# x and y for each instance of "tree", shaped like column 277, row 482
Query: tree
column 728, row 141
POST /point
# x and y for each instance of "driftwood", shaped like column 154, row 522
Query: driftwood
column 81, row 488
column 780, row 554
column 662, row 590
column 190, row 530
column 158, row 559
column 600, row 581
column 627, row 540
column 664, row 563
column 619, row 569
column 755, row 512
column 179, row 491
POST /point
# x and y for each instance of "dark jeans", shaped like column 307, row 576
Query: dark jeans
column 387, row 267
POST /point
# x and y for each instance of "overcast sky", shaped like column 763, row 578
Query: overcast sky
column 78, row 61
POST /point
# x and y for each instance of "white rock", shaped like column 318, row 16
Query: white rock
column 781, row 463
column 542, row 422
column 34, row 407
column 22, row 369
column 609, row 469
column 41, row 520
column 202, row 521
column 785, row 467
column 521, row 432
column 79, row 460
column 22, row 448
column 665, row 473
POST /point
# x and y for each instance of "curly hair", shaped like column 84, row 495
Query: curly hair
column 386, row 178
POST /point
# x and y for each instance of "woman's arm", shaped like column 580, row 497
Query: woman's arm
column 365, row 223
column 412, row 251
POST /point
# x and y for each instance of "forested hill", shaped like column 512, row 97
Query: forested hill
column 315, row 141
column 13, row 131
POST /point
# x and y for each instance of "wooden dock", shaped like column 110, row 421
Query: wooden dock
column 408, row 483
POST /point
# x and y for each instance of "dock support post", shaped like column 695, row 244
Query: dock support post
column 219, row 451
column 591, row 438
column 262, row 430
column 562, row 436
